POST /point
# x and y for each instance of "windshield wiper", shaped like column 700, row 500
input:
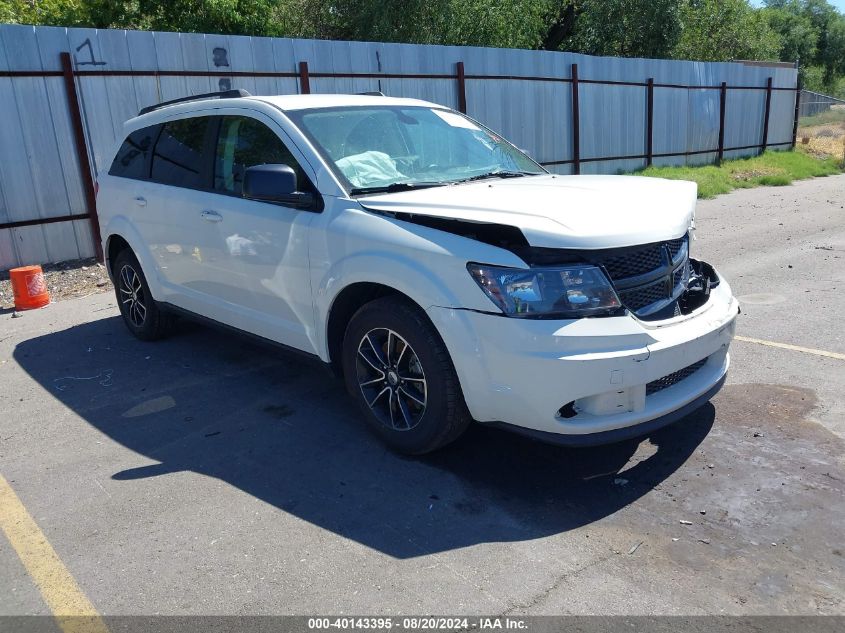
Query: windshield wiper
column 500, row 173
column 393, row 187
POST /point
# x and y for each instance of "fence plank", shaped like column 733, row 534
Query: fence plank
column 681, row 120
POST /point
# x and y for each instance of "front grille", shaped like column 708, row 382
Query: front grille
column 634, row 263
column 675, row 246
column 649, row 278
column 674, row 378
column 642, row 297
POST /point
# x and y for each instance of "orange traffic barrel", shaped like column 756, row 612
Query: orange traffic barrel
column 29, row 287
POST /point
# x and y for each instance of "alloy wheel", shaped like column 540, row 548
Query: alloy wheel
column 132, row 295
column 391, row 379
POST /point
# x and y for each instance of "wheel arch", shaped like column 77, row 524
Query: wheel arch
column 121, row 234
column 345, row 304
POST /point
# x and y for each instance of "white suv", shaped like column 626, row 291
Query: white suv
column 443, row 273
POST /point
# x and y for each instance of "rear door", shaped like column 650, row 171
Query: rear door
column 176, row 225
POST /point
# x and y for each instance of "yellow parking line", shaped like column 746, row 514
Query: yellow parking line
column 74, row 613
column 794, row 348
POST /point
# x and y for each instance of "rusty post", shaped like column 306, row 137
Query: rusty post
column 462, row 88
column 723, row 97
column 650, row 127
column 797, row 112
column 304, row 82
column 576, row 124
column 766, row 114
column 82, row 152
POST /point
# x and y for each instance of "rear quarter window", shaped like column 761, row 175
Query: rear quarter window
column 132, row 159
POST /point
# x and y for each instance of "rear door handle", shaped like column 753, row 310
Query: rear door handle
column 141, row 201
column 211, row 216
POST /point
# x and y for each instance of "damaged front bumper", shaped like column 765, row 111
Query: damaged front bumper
column 591, row 380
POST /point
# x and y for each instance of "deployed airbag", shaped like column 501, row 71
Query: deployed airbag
column 370, row 169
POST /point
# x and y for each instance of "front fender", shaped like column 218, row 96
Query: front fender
column 425, row 264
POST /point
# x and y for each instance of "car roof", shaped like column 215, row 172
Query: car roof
column 303, row 102
column 285, row 103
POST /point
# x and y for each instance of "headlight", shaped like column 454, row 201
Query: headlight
column 564, row 291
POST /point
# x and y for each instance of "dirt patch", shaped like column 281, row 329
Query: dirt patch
column 823, row 141
column 66, row 280
column 751, row 174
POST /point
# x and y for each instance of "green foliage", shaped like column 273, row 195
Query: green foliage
column 628, row 28
column 506, row 23
column 722, row 30
column 797, row 32
column 812, row 31
column 802, row 22
column 769, row 169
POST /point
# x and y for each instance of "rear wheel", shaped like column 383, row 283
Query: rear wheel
column 141, row 314
column 399, row 370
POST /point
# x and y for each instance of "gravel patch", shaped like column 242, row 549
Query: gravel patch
column 65, row 280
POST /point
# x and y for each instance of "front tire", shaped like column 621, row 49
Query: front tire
column 399, row 371
column 140, row 312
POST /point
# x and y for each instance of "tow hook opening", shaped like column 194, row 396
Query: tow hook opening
column 702, row 280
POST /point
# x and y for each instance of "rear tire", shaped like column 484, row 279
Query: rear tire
column 399, row 371
column 141, row 313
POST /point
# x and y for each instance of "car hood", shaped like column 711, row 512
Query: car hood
column 588, row 212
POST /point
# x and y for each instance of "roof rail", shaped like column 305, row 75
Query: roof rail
column 374, row 93
column 226, row 94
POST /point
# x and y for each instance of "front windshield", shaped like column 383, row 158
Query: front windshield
column 381, row 148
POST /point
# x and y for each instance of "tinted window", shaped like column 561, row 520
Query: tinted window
column 132, row 160
column 177, row 159
column 244, row 142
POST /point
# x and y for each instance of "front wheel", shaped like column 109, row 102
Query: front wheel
column 400, row 372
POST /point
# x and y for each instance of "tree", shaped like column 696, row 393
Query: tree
column 628, row 28
column 812, row 31
column 722, row 30
column 798, row 34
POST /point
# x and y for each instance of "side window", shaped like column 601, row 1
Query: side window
column 244, row 142
column 132, row 160
column 178, row 158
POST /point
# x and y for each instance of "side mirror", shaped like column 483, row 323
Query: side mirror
column 275, row 183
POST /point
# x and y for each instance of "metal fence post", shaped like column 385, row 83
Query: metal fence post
column 576, row 123
column 723, row 97
column 649, row 152
column 797, row 112
column 304, row 82
column 82, row 156
column 766, row 114
column 462, row 88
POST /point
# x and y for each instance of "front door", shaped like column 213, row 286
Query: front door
column 258, row 249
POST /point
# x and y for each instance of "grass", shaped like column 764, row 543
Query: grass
column 770, row 168
column 832, row 116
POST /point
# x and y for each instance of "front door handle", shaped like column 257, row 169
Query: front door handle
column 141, row 201
column 211, row 216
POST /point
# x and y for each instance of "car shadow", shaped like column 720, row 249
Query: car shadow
column 281, row 429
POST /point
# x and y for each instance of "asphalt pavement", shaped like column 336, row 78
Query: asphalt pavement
column 204, row 474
